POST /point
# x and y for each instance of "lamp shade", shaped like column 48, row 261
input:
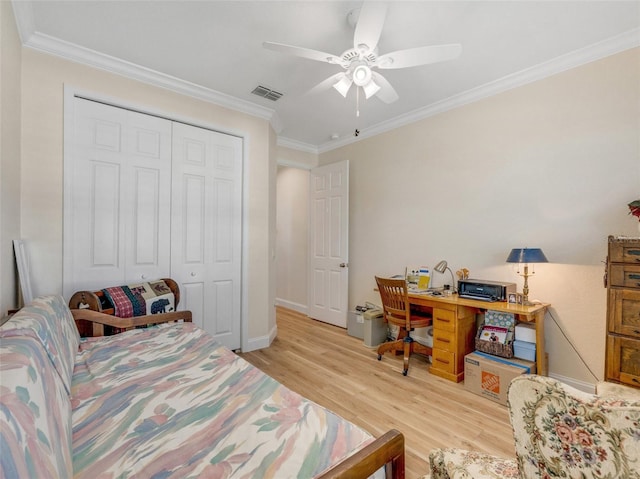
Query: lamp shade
column 527, row 255
column 441, row 267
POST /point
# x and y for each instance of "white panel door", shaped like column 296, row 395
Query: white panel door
column 206, row 236
column 117, row 198
column 329, row 243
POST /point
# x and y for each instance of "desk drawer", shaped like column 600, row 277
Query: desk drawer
column 444, row 340
column 444, row 360
column 444, row 320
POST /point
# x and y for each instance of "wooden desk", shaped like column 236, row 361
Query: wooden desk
column 454, row 330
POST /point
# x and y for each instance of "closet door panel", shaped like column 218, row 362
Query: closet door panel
column 206, row 249
column 118, row 204
column 146, row 218
column 103, row 214
column 94, row 233
column 147, row 199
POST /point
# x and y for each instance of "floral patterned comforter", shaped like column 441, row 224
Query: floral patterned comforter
column 170, row 402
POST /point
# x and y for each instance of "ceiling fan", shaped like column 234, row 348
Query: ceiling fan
column 358, row 62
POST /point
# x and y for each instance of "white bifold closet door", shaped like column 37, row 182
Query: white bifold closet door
column 117, row 198
column 206, row 235
column 147, row 198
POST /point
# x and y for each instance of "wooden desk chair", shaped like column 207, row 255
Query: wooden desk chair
column 397, row 311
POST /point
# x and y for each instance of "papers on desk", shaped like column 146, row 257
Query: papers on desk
column 428, row 292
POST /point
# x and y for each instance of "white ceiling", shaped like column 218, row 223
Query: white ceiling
column 213, row 49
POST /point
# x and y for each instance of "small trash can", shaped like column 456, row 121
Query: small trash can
column 355, row 324
column 375, row 329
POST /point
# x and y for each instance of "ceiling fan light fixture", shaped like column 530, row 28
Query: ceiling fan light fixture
column 361, row 75
column 370, row 89
column 343, row 85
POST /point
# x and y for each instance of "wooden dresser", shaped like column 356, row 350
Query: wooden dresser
column 622, row 363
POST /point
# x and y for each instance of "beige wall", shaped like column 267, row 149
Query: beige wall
column 43, row 80
column 551, row 164
column 296, row 158
column 10, row 61
column 292, row 242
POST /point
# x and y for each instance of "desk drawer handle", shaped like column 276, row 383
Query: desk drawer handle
column 442, row 361
column 635, row 380
column 635, row 331
column 444, row 340
column 443, row 320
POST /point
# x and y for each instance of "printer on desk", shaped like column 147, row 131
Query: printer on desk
column 484, row 290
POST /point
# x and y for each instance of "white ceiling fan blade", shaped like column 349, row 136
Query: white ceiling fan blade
column 369, row 27
column 386, row 93
column 303, row 52
column 328, row 83
column 419, row 56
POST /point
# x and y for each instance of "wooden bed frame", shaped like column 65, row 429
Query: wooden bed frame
column 386, row 451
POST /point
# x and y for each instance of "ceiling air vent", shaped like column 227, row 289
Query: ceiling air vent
column 267, row 93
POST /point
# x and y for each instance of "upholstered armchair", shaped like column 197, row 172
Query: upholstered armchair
column 559, row 431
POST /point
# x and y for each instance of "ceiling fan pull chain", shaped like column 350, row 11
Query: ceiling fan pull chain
column 357, row 101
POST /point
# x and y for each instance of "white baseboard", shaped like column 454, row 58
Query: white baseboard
column 300, row 308
column 261, row 342
column 581, row 385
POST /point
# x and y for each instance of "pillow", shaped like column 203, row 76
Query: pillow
column 49, row 319
column 35, row 412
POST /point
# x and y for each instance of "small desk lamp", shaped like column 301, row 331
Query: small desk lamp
column 526, row 256
column 441, row 267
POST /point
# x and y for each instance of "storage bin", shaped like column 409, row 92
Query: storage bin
column 375, row 329
column 355, row 324
column 524, row 350
column 526, row 332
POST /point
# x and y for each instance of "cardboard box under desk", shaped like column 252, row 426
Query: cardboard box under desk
column 489, row 376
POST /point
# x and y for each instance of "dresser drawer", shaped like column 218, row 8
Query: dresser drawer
column 624, row 312
column 625, row 275
column 624, row 252
column 444, row 360
column 444, row 320
column 444, row 340
column 623, row 360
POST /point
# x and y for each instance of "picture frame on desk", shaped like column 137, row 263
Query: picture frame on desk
column 514, row 298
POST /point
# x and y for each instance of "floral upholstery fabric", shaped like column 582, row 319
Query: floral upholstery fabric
column 169, row 401
column 563, row 432
column 35, row 413
column 559, row 432
column 49, row 320
column 461, row 464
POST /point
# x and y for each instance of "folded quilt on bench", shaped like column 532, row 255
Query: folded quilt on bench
column 141, row 299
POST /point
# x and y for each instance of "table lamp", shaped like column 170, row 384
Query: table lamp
column 526, row 256
column 441, row 267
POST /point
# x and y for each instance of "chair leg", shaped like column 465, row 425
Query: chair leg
column 389, row 346
column 405, row 345
column 407, row 352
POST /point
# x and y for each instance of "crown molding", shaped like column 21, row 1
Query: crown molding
column 70, row 51
column 297, row 145
column 582, row 56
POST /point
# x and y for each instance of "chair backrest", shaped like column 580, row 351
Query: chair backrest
column 560, row 431
column 395, row 301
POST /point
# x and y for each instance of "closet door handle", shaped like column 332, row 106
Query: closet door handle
column 193, row 274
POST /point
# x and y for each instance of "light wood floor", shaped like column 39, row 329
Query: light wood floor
column 339, row 372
